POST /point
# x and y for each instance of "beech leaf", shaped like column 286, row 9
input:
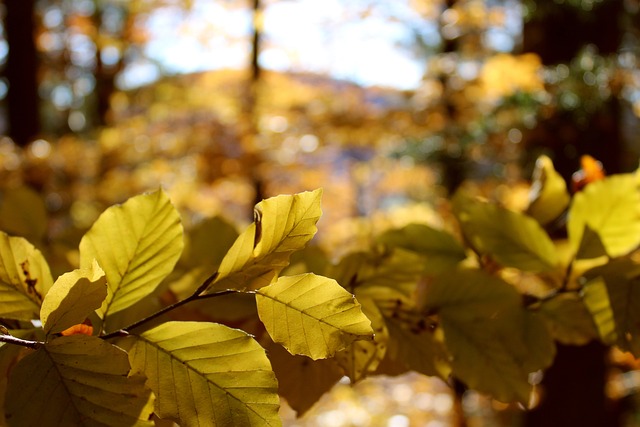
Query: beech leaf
column 72, row 298
column 77, row 381
column 494, row 343
column 137, row 244
column 362, row 357
column 441, row 250
column 311, row 315
column 206, row 374
column 511, row 238
column 302, row 381
column 25, row 278
column 549, row 196
column 283, row 225
column 610, row 208
column 569, row 319
column 621, row 279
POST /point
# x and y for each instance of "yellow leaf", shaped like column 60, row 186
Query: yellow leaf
column 137, row 244
column 549, row 196
column 611, row 209
column 77, row 380
column 72, row 298
column 311, row 315
column 283, row 225
column 24, row 278
column 206, row 374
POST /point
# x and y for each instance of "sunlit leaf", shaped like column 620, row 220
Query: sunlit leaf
column 284, row 224
column 72, row 298
column 23, row 213
column 206, row 374
column 622, row 286
column 301, row 380
column 311, row 315
column 549, row 195
column 442, row 251
column 77, row 380
column 137, row 244
column 24, row 278
column 494, row 343
column 596, row 299
column 569, row 320
column 511, row 238
column 611, row 209
column 362, row 357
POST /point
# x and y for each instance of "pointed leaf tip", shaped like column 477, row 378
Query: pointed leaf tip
column 283, row 224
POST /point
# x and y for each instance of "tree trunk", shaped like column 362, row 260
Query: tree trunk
column 21, row 72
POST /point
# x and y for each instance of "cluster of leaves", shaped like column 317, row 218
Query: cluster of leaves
column 271, row 317
column 487, row 305
column 84, row 367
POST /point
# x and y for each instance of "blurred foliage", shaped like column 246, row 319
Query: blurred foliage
column 385, row 157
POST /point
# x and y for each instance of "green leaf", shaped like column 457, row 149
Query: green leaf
column 611, row 209
column 362, row 357
column 23, row 213
column 137, row 244
column 283, row 225
column 311, row 315
column 208, row 242
column 442, row 251
column 622, row 282
column 549, row 196
column 569, row 320
column 399, row 269
column 24, row 278
column 72, row 298
column 413, row 344
column 302, row 381
column 206, row 374
column 494, row 343
column 511, row 238
column 76, row 381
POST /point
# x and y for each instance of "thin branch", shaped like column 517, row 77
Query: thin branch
column 18, row 341
column 193, row 297
column 567, row 276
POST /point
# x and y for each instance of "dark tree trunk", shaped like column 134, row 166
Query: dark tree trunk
column 21, row 72
column 252, row 99
column 573, row 389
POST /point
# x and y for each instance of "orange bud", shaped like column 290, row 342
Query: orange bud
column 80, row 329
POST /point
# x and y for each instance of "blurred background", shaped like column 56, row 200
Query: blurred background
column 388, row 105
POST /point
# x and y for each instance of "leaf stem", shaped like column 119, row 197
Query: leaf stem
column 195, row 296
column 10, row 339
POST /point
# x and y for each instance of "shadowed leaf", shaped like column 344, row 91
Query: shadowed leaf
column 77, row 381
